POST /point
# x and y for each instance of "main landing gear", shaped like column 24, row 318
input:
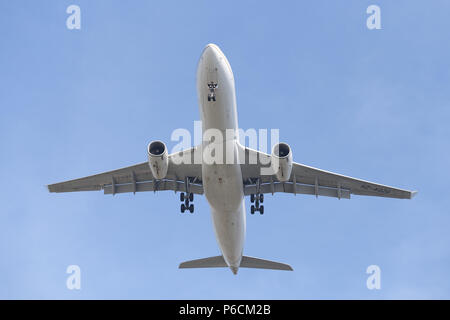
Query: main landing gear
column 257, row 199
column 186, row 198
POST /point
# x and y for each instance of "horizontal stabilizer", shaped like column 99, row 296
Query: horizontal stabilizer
column 246, row 262
column 250, row 262
column 211, row 262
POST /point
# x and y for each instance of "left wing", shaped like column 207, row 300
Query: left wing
column 308, row 180
column 137, row 178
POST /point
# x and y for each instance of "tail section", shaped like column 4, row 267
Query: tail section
column 246, row 262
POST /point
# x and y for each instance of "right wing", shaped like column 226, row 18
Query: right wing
column 308, row 180
column 185, row 177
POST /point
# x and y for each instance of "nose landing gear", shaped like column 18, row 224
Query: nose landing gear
column 212, row 91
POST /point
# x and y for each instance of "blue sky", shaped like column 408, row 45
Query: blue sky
column 373, row 104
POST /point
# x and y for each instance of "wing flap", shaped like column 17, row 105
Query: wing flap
column 288, row 187
column 154, row 185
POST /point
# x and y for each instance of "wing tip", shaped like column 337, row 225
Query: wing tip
column 413, row 194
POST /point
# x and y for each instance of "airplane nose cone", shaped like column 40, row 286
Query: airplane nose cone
column 211, row 46
column 234, row 270
column 211, row 52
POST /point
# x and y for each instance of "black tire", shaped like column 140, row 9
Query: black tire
column 252, row 209
column 186, row 202
column 183, row 208
column 209, row 98
column 191, row 197
column 191, row 208
column 182, row 196
column 252, row 198
column 261, row 198
column 261, row 210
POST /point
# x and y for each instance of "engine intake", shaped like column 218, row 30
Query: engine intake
column 282, row 161
column 158, row 159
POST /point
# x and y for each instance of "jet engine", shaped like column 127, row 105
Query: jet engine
column 282, row 161
column 158, row 159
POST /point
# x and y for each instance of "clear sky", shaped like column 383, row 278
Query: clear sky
column 373, row 104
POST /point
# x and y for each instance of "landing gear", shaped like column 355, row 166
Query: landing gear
column 186, row 199
column 212, row 91
column 257, row 199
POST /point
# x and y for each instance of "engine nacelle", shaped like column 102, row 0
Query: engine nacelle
column 158, row 159
column 282, row 161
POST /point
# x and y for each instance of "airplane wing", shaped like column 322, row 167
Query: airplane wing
column 180, row 177
column 308, row 180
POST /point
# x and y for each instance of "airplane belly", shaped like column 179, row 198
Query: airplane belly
column 222, row 184
column 222, row 181
column 229, row 228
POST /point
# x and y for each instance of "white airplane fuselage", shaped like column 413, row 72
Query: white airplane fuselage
column 222, row 182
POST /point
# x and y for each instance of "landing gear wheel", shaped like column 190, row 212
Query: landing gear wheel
column 261, row 210
column 191, row 197
column 191, row 208
column 182, row 196
column 183, row 208
column 252, row 198
column 252, row 209
column 261, row 198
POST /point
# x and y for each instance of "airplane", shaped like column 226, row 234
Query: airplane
column 226, row 185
